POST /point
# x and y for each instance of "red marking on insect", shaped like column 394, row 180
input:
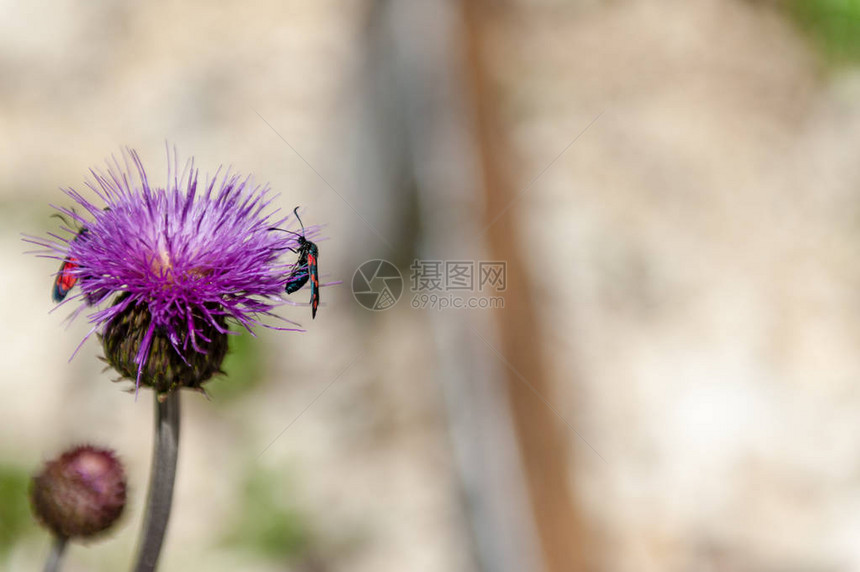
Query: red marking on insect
column 313, row 270
column 66, row 279
column 67, row 276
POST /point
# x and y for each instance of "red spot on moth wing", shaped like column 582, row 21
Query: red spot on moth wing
column 66, row 279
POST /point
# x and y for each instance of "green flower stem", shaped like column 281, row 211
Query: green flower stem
column 56, row 555
column 160, row 497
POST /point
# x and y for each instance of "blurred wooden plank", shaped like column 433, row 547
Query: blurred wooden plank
column 544, row 441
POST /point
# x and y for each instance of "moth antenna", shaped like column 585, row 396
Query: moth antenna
column 285, row 230
column 61, row 217
column 296, row 212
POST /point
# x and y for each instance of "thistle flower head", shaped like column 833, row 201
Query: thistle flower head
column 81, row 493
column 165, row 267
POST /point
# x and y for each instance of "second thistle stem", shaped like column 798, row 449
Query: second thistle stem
column 56, row 556
column 160, row 497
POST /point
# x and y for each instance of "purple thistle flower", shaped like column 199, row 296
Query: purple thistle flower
column 174, row 263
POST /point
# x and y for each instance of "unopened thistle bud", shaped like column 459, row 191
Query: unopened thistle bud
column 79, row 494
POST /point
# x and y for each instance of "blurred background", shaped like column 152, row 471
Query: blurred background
column 671, row 381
